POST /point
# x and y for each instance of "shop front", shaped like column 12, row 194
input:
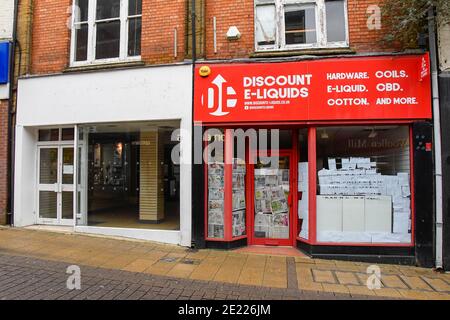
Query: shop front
column 323, row 155
column 100, row 152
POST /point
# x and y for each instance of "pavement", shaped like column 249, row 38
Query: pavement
column 33, row 265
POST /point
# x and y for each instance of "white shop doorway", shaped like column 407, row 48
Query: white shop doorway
column 55, row 177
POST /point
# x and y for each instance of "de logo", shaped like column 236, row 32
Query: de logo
column 219, row 98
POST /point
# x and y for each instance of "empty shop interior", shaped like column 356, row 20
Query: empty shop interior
column 128, row 176
column 131, row 179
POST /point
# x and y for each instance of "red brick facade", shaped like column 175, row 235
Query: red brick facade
column 3, row 160
column 240, row 13
column 160, row 18
column 51, row 36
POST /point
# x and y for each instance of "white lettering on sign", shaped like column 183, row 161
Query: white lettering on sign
column 270, row 81
column 391, row 74
column 348, row 76
column 277, row 88
column 348, row 102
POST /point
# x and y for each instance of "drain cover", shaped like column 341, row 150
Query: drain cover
column 190, row 261
column 168, row 259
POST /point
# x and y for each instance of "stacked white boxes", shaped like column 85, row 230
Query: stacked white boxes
column 369, row 206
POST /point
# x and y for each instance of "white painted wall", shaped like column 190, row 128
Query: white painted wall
column 444, row 47
column 6, row 19
column 25, row 177
column 144, row 94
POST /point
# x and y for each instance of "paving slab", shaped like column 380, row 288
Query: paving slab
column 279, row 272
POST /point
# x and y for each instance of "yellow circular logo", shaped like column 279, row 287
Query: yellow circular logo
column 205, row 71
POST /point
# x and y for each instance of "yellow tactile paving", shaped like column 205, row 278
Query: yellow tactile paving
column 224, row 266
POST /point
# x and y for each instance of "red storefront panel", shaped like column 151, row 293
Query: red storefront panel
column 370, row 88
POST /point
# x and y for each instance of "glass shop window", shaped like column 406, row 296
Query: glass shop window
column 363, row 191
column 129, row 175
column 216, row 182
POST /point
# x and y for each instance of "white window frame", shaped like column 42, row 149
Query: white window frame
column 92, row 35
column 321, row 26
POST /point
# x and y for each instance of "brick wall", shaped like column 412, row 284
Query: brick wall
column 51, row 37
column 3, row 160
column 159, row 20
column 240, row 13
column 361, row 38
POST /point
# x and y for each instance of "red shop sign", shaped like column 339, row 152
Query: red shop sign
column 373, row 88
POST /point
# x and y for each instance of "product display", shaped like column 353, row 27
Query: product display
column 216, row 200
column 271, row 203
column 239, row 203
column 358, row 204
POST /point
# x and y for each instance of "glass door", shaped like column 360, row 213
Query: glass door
column 272, row 200
column 55, row 188
column 67, row 182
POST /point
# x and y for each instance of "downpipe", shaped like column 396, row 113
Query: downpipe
column 437, row 140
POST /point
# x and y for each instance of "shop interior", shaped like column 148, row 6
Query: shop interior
column 363, row 185
column 363, row 193
column 130, row 178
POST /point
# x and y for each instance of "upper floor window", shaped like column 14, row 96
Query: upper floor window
column 300, row 24
column 106, row 31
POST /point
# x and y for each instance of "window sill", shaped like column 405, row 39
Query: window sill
column 103, row 66
column 302, row 52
